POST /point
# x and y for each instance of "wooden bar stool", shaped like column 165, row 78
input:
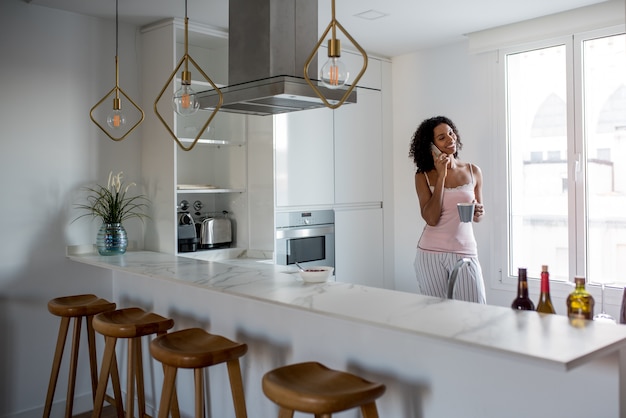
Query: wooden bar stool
column 131, row 324
column 76, row 307
column 312, row 387
column 196, row 349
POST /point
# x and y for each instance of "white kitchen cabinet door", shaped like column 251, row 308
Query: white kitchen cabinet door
column 304, row 169
column 358, row 150
column 359, row 246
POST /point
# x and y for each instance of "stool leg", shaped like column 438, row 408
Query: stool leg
column 117, row 389
column 199, row 389
column 130, row 379
column 56, row 364
column 93, row 362
column 174, row 408
column 369, row 410
column 141, row 392
column 107, row 359
column 173, row 404
column 69, row 405
column 285, row 413
column 236, row 387
column 167, row 393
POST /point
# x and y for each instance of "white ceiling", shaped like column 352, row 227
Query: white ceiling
column 409, row 25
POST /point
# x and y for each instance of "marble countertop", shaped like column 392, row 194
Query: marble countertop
column 550, row 340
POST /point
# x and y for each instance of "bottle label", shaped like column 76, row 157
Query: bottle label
column 579, row 315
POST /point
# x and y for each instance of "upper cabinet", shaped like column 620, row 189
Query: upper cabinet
column 328, row 157
column 303, row 158
column 358, row 149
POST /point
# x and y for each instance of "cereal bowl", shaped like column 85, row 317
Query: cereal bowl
column 316, row 274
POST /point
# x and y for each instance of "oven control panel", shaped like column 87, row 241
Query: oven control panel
column 304, row 218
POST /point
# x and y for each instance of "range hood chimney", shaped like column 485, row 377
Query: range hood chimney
column 269, row 42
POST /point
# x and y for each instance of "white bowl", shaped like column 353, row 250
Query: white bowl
column 316, row 274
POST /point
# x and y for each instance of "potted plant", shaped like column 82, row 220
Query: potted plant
column 112, row 206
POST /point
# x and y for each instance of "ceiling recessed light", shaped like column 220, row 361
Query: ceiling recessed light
column 371, row 14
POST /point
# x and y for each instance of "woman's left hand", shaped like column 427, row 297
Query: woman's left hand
column 479, row 211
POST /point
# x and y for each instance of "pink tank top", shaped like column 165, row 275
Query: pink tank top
column 451, row 235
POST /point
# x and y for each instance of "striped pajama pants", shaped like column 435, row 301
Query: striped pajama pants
column 433, row 269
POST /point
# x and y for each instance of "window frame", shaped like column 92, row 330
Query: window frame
column 577, row 216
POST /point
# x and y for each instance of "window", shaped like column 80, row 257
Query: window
column 566, row 128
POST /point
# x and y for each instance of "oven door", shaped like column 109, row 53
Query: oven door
column 312, row 245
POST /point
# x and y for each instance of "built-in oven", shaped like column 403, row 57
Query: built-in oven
column 306, row 238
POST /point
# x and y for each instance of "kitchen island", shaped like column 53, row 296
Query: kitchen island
column 438, row 358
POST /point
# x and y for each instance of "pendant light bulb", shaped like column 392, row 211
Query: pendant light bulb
column 334, row 73
column 116, row 118
column 184, row 100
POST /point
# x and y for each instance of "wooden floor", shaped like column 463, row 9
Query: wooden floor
column 107, row 412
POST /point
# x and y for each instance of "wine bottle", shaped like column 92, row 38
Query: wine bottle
column 545, row 302
column 580, row 302
column 522, row 302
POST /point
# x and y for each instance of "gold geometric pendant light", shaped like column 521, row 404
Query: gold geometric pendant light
column 333, row 74
column 116, row 120
column 184, row 99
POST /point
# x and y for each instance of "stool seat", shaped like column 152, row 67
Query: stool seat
column 314, row 388
column 196, row 349
column 79, row 305
column 74, row 307
column 131, row 323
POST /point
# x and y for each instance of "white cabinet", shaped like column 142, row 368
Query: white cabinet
column 304, row 158
column 358, row 150
column 335, row 158
column 359, row 233
column 359, row 246
column 327, row 157
column 214, row 171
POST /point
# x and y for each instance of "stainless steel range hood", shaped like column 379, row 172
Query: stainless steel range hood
column 268, row 43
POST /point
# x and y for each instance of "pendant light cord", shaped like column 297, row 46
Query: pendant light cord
column 186, row 40
column 334, row 34
column 116, row 27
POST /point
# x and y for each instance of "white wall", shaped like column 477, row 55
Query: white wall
column 55, row 66
column 442, row 81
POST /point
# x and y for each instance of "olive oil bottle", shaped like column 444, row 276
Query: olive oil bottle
column 580, row 302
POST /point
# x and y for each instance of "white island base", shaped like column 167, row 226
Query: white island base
column 438, row 358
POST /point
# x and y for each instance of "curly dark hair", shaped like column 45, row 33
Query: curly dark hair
column 420, row 151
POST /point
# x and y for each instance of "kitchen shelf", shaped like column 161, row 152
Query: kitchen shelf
column 208, row 190
column 214, row 142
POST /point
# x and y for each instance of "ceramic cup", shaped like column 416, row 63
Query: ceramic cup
column 466, row 211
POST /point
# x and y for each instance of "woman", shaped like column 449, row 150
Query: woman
column 442, row 181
